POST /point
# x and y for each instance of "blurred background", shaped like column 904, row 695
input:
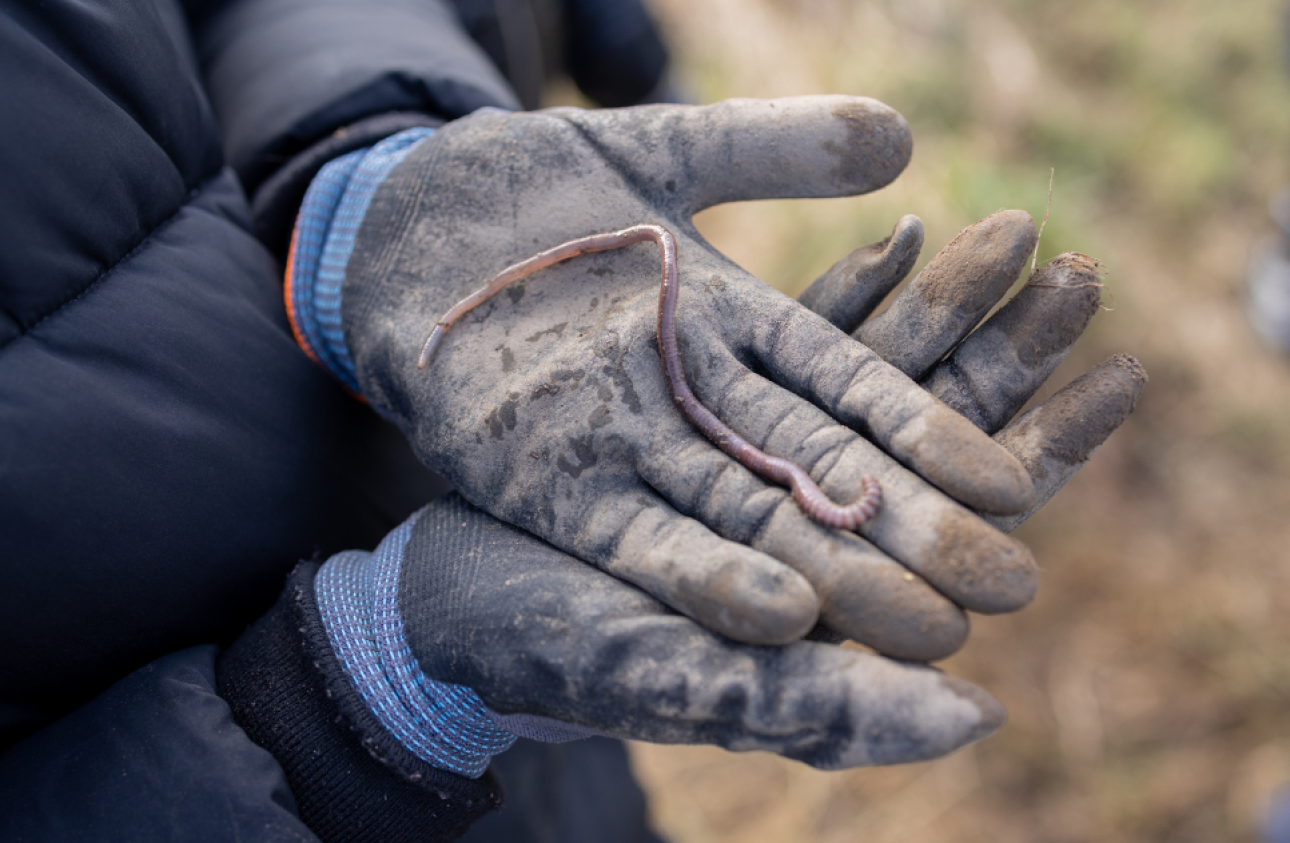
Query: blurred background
column 1149, row 684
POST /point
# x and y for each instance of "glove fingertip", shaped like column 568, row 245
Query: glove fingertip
column 956, row 456
column 1079, row 418
column 849, row 291
column 993, row 714
column 878, row 146
column 979, row 568
column 778, row 614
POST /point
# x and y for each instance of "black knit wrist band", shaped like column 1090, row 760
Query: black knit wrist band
column 351, row 780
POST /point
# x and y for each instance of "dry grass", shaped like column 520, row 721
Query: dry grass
column 1149, row 685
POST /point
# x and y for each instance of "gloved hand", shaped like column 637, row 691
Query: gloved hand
column 992, row 373
column 471, row 631
column 548, row 408
column 382, row 683
column 461, row 632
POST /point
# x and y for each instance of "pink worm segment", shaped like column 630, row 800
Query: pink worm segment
column 810, row 498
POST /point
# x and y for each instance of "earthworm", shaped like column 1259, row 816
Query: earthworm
column 810, row 498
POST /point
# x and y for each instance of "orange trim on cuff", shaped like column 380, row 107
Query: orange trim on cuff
column 289, row 301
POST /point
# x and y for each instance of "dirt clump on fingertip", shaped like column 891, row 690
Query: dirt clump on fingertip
column 987, row 255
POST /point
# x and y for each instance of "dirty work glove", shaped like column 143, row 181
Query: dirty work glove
column 460, row 632
column 483, row 632
column 548, row 407
column 383, row 682
column 987, row 372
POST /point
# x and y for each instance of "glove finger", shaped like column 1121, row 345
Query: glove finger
column 864, row 595
column 534, row 631
column 689, row 158
column 1054, row 439
column 974, row 565
column 829, row 707
column 995, row 371
column 731, row 589
column 805, row 354
column 952, row 293
column 854, row 286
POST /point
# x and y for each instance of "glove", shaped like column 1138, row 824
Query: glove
column 383, row 682
column 988, row 372
column 548, row 407
column 461, row 633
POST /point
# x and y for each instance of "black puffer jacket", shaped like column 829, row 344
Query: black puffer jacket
column 167, row 453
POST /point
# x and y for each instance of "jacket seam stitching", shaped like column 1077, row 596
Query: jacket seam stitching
column 193, row 193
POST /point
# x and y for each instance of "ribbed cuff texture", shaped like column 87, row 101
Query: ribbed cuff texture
column 352, row 781
column 330, row 216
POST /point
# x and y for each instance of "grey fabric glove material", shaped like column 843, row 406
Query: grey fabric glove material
column 855, row 286
column 1000, row 365
column 530, row 629
column 937, row 309
column 547, row 406
column 1056, row 438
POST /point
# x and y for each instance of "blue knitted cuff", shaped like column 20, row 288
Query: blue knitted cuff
column 330, row 216
column 447, row 726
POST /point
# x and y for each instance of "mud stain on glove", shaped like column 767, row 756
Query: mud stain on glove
column 868, row 158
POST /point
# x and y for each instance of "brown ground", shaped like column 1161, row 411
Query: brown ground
column 1149, row 684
